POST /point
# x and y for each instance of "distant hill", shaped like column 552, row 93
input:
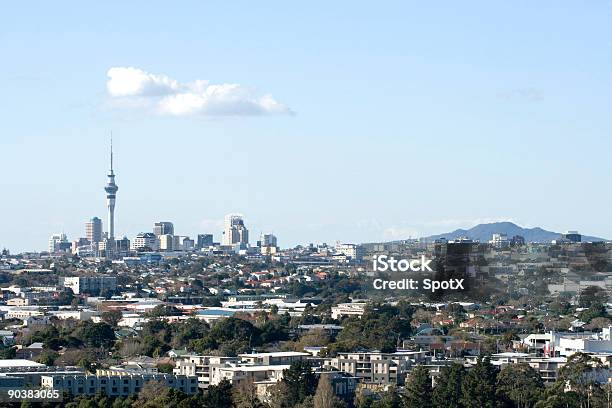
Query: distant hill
column 483, row 233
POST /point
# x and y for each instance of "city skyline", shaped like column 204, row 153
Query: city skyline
column 382, row 123
column 167, row 227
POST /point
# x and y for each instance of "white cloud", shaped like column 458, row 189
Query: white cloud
column 163, row 95
column 136, row 82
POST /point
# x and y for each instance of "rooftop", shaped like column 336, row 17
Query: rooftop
column 276, row 354
column 17, row 362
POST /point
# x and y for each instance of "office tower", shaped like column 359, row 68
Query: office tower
column 499, row 241
column 122, row 245
column 268, row 240
column 93, row 230
column 517, row 240
column 145, row 241
column 58, row 242
column 185, row 244
column 111, row 193
column 82, row 245
column 204, row 241
column 163, row 228
column 234, row 231
column 166, row 242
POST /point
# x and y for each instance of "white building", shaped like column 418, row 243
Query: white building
column 89, row 284
column 186, row 243
column 116, row 385
column 341, row 310
column 268, row 240
column 93, row 230
column 565, row 344
column 234, row 231
column 352, row 251
column 145, row 240
column 200, row 366
column 377, row 367
column 56, row 241
column 166, row 242
column 245, row 374
column 276, row 358
column 499, row 241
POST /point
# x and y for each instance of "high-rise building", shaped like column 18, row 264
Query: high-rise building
column 185, row 244
column 145, row 241
column 166, row 242
column 353, row 251
column 204, row 241
column 58, row 243
column 267, row 240
column 111, row 194
column 122, row 245
column 499, row 241
column 517, row 240
column 234, row 231
column 163, row 228
column 93, row 230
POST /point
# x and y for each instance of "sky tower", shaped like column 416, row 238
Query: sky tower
column 111, row 192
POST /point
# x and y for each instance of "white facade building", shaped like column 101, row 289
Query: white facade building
column 234, row 231
column 145, row 240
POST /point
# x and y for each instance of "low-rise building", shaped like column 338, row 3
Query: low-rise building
column 377, row 367
column 200, row 366
column 277, row 358
column 116, row 385
column 355, row 308
column 89, row 284
column 247, row 374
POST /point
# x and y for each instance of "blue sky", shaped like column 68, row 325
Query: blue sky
column 388, row 120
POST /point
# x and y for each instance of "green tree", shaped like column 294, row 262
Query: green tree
column 231, row 335
column 300, row 381
column 218, row 396
column 479, row 386
column 47, row 357
column 556, row 397
column 389, row 399
column 578, row 374
column 592, row 296
column 112, row 317
column 418, row 389
column 362, row 400
column 97, row 334
column 381, row 327
column 519, row 384
column 7, row 353
column 447, row 393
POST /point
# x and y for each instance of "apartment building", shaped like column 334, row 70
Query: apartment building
column 200, row 366
column 377, row 367
column 356, row 308
column 246, row 374
column 116, row 385
column 212, row 369
column 277, row 358
column 89, row 284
